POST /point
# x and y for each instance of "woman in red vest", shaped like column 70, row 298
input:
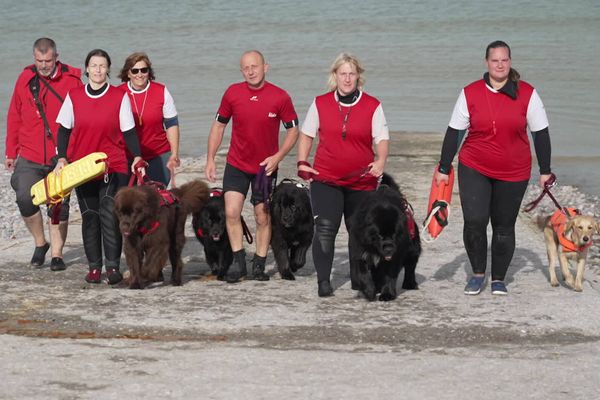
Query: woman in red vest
column 155, row 117
column 494, row 162
column 97, row 117
column 349, row 122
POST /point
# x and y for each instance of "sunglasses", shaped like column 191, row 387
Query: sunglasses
column 136, row 71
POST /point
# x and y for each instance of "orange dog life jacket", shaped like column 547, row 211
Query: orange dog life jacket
column 559, row 222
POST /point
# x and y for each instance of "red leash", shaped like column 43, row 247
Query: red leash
column 551, row 182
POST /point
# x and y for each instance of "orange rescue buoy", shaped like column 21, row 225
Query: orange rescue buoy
column 438, row 210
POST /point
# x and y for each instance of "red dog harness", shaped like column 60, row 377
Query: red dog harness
column 167, row 199
column 559, row 223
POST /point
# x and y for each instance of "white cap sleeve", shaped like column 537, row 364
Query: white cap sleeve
column 169, row 110
column 536, row 113
column 460, row 119
column 126, row 121
column 65, row 115
column 379, row 126
column 310, row 126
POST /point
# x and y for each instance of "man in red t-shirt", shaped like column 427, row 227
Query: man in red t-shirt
column 31, row 141
column 257, row 108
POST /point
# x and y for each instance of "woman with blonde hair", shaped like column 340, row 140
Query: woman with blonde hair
column 349, row 123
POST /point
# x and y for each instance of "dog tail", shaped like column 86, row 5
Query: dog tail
column 193, row 195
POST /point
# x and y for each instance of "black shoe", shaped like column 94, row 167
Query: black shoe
column 57, row 264
column 114, row 276
column 237, row 271
column 39, row 255
column 325, row 289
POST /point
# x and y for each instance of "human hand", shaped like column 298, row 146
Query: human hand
column 543, row 179
column 9, row 164
column 173, row 163
column 138, row 165
column 210, row 170
column 376, row 168
column 270, row 164
column 60, row 164
column 438, row 177
column 306, row 171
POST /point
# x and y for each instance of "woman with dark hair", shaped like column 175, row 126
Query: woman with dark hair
column 349, row 123
column 97, row 117
column 494, row 163
column 155, row 117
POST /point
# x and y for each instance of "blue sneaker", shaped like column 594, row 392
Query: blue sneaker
column 474, row 285
column 498, row 287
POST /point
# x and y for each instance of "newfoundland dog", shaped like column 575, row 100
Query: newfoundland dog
column 292, row 224
column 152, row 223
column 384, row 239
column 209, row 227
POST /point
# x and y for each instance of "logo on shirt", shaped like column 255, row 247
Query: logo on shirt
column 254, row 98
column 272, row 115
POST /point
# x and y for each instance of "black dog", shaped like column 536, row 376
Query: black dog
column 209, row 227
column 293, row 225
column 385, row 239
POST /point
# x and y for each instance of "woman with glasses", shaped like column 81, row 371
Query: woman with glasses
column 349, row 123
column 97, row 118
column 155, row 117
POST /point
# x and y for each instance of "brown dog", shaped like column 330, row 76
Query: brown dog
column 153, row 230
column 569, row 238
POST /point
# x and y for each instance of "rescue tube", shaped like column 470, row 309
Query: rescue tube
column 71, row 176
column 438, row 208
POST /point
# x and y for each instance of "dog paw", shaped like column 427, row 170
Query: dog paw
column 570, row 283
column 287, row 275
column 387, row 296
column 410, row 285
column 554, row 283
column 578, row 288
column 370, row 293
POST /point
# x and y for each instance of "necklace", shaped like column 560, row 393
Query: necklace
column 344, row 119
column 143, row 104
column 494, row 114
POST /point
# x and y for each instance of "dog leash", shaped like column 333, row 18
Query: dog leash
column 551, row 182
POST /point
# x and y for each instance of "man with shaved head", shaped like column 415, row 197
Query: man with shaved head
column 257, row 107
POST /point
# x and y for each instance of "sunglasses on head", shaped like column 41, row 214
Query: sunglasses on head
column 136, row 71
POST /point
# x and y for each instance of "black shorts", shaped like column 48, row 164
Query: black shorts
column 235, row 180
column 26, row 174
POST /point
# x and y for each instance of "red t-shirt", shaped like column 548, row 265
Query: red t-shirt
column 497, row 145
column 97, row 127
column 342, row 161
column 256, row 117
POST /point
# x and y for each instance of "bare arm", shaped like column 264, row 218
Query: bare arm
column 173, row 138
column 215, row 138
column 304, row 146
column 377, row 167
column 273, row 161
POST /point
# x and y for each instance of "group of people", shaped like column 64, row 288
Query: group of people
column 66, row 120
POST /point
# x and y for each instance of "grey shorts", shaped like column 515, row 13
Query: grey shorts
column 25, row 175
column 236, row 180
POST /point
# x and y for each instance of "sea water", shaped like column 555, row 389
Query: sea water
column 418, row 54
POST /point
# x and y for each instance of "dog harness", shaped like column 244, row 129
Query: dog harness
column 167, row 199
column 559, row 223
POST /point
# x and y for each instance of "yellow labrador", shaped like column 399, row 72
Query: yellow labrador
column 569, row 240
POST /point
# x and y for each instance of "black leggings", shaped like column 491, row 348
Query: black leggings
column 329, row 203
column 99, row 224
column 482, row 199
